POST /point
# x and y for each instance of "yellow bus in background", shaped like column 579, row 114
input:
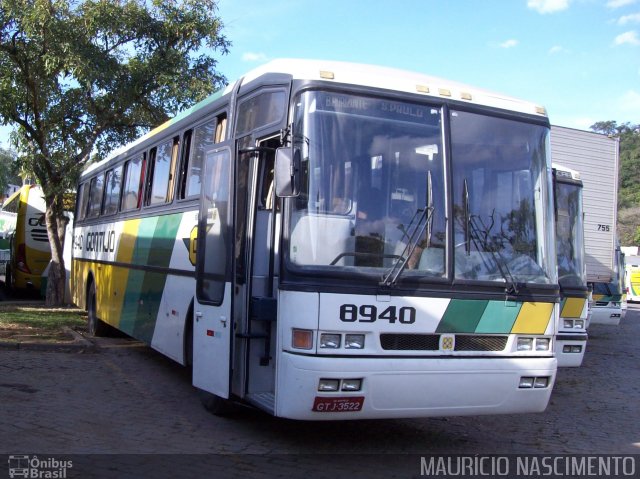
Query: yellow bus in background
column 632, row 278
column 29, row 247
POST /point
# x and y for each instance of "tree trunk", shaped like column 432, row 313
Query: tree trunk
column 56, row 228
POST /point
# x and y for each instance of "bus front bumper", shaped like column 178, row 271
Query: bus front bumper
column 570, row 349
column 411, row 387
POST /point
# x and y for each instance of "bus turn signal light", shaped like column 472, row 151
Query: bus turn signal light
column 302, row 338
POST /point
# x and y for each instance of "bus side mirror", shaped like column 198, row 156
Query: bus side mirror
column 287, row 173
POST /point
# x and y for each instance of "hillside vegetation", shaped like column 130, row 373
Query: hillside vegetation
column 629, row 179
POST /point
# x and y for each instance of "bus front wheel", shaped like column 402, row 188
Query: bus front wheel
column 95, row 325
column 215, row 404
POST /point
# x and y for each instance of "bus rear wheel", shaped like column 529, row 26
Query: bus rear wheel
column 95, row 325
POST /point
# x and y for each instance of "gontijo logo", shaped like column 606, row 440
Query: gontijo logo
column 34, row 467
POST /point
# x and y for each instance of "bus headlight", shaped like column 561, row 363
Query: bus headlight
column 329, row 341
column 543, row 344
column 541, row 382
column 351, row 384
column 328, row 384
column 526, row 382
column 568, row 323
column 354, row 341
column 579, row 323
column 525, row 344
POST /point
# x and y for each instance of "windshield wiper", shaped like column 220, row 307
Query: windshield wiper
column 472, row 232
column 481, row 235
column 420, row 221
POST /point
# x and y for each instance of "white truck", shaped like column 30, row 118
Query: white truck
column 596, row 157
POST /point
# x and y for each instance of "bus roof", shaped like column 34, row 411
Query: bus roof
column 568, row 172
column 392, row 79
column 356, row 74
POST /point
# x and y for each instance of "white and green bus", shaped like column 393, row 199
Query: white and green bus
column 571, row 338
column 326, row 240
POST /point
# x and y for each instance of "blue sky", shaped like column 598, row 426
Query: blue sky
column 578, row 58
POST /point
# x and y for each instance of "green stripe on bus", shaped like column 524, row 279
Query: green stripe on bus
column 154, row 247
column 462, row 316
column 142, row 248
column 499, row 317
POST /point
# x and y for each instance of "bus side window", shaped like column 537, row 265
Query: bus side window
column 204, row 136
column 184, row 164
column 95, row 196
column 148, row 183
column 175, row 151
column 83, row 201
column 221, row 128
column 112, row 191
column 162, row 162
column 134, row 172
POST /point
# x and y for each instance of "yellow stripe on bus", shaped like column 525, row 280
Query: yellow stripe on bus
column 117, row 277
column 533, row 318
column 573, row 308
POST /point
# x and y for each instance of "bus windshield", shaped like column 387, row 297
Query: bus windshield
column 373, row 190
column 500, row 206
column 570, row 235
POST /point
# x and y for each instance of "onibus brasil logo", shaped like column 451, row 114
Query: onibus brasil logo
column 36, row 468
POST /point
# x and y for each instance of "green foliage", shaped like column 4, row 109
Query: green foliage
column 74, row 75
column 8, row 169
column 629, row 178
column 81, row 77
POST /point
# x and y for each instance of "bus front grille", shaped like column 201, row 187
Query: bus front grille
column 480, row 343
column 410, row 342
column 431, row 342
column 38, row 234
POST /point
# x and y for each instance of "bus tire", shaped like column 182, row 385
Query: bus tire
column 215, row 404
column 7, row 279
column 188, row 337
column 95, row 325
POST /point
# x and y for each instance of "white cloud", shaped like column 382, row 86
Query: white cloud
column 254, row 57
column 633, row 18
column 556, row 49
column 549, row 6
column 619, row 3
column 509, row 43
column 630, row 37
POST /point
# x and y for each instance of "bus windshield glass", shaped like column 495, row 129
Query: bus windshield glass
column 501, row 211
column 370, row 170
column 373, row 194
column 570, row 235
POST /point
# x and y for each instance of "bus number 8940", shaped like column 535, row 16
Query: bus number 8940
column 368, row 313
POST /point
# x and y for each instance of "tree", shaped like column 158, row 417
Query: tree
column 8, row 169
column 629, row 177
column 78, row 78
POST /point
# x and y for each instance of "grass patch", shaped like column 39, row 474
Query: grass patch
column 32, row 323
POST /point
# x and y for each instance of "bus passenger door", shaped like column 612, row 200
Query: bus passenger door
column 212, row 322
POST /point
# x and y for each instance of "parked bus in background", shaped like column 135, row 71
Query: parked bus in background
column 622, row 279
column 609, row 298
column 571, row 338
column 29, row 243
column 326, row 240
column 632, row 278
